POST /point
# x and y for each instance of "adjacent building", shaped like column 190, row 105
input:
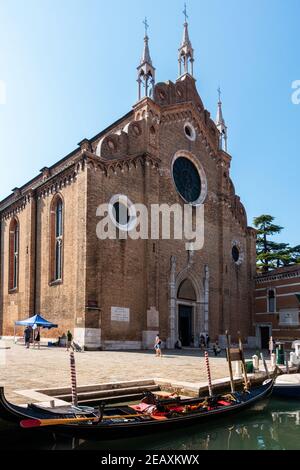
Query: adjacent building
column 277, row 306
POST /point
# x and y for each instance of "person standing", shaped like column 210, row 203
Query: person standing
column 27, row 337
column 157, row 346
column 37, row 338
column 207, row 340
column 69, row 340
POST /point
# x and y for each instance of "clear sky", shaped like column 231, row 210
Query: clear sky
column 69, row 68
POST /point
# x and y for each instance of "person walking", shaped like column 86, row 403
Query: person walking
column 69, row 340
column 27, row 337
column 216, row 348
column 157, row 346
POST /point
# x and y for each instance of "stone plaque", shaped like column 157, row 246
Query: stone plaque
column 152, row 318
column 289, row 317
column 120, row 314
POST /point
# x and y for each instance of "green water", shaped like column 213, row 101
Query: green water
column 270, row 425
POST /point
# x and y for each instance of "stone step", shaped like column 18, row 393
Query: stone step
column 104, row 394
column 98, row 387
column 121, row 399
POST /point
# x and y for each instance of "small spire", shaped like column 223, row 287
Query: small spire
column 146, row 52
column 221, row 126
column 146, row 71
column 186, row 51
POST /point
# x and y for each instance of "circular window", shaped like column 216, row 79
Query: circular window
column 122, row 212
column 235, row 254
column 187, row 179
column 189, row 131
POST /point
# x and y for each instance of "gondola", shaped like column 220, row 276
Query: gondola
column 107, row 422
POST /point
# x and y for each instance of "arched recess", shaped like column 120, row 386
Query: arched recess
column 56, row 239
column 14, row 248
column 189, row 312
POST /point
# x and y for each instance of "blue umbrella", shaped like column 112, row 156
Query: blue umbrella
column 35, row 322
column 38, row 321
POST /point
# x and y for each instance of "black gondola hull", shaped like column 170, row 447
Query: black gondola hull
column 108, row 430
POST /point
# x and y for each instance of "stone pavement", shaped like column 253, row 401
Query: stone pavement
column 23, row 369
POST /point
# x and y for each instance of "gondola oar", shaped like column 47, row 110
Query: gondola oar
column 36, row 423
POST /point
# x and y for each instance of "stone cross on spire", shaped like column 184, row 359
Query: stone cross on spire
column 145, row 22
column 185, row 13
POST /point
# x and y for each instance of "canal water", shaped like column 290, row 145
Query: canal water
column 270, row 425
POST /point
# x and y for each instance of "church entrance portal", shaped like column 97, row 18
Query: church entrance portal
column 186, row 304
column 185, row 315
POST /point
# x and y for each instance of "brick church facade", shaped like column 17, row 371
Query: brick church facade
column 119, row 293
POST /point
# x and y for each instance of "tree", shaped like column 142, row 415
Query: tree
column 295, row 254
column 271, row 255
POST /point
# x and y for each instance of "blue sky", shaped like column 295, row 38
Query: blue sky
column 69, row 68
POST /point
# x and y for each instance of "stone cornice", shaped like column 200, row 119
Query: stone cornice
column 44, row 187
column 260, row 279
column 121, row 164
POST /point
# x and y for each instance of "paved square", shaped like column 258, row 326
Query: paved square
column 49, row 367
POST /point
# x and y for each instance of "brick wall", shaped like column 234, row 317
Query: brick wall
column 133, row 158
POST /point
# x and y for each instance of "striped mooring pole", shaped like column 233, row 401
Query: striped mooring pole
column 208, row 373
column 73, row 379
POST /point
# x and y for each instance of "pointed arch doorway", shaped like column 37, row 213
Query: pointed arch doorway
column 186, row 313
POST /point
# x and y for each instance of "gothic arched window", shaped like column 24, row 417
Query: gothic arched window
column 14, row 242
column 57, row 240
column 271, row 301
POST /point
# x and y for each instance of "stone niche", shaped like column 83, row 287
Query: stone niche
column 152, row 318
column 152, row 328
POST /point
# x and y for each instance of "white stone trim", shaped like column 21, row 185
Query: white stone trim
column 287, row 295
column 122, row 345
column 239, row 246
column 204, row 187
column 88, row 337
column 124, row 200
column 190, row 126
column 149, row 339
